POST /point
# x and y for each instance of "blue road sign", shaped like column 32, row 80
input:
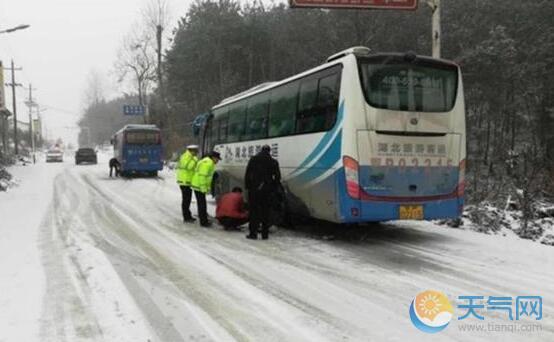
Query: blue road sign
column 133, row 110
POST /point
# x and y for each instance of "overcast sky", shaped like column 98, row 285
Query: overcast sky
column 67, row 39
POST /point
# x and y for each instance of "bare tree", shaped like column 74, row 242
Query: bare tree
column 94, row 88
column 156, row 16
column 136, row 62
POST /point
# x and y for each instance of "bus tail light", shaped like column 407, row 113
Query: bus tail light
column 351, row 169
column 461, row 178
column 461, row 188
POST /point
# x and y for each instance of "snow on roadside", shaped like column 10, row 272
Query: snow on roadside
column 6, row 179
column 489, row 219
column 21, row 276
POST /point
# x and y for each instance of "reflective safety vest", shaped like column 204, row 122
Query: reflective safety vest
column 203, row 174
column 185, row 168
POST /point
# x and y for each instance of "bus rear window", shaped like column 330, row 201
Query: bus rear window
column 397, row 85
column 142, row 138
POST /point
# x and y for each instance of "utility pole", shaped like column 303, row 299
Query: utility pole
column 31, row 135
column 39, row 117
column 436, row 30
column 14, row 106
column 162, row 111
column 3, row 114
column 159, row 31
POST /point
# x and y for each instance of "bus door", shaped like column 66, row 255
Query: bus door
column 201, row 127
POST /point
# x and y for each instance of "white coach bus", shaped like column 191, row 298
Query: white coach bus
column 364, row 137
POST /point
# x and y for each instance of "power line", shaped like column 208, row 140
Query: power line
column 62, row 110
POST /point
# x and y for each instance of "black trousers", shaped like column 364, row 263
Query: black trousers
column 202, row 208
column 231, row 222
column 259, row 212
column 186, row 195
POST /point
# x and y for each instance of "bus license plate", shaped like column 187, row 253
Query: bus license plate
column 411, row 212
column 143, row 160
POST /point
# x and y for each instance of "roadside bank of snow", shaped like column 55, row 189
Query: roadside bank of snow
column 21, row 276
column 6, row 179
column 489, row 219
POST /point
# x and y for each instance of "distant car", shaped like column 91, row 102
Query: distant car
column 54, row 155
column 87, row 155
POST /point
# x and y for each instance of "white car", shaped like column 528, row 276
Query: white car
column 54, row 155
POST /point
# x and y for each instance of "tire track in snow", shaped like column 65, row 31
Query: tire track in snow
column 406, row 257
column 404, row 260
column 66, row 314
column 271, row 287
column 288, row 297
column 203, row 300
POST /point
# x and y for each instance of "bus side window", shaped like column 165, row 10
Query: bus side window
column 327, row 102
column 219, row 126
column 237, row 116
column 307, row 105
column 256, row 117
column 223, row 127
column 215, row 132
column 282, row 110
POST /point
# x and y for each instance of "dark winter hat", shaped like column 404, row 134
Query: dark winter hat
column 215, row 154
column 266, row 148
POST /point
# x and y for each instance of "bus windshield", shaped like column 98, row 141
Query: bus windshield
column 392, row 83
column 142, row 138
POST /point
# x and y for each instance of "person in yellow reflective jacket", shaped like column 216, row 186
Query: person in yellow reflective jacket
column 185, row 171
column 202, row 184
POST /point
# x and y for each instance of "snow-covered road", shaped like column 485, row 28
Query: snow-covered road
column 110, row 260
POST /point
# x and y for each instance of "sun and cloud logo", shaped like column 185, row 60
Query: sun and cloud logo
column 431, row 311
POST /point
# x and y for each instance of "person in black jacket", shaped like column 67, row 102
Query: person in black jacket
column 262, row 179
column 114, row 165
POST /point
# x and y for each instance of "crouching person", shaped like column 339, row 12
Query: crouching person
column 230, row 210
column 114, row 165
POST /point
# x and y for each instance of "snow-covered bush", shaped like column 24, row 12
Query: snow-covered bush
column 485, row 218
column 490, row 219
column 5, row 179
column 548, row 240
column 171, row 165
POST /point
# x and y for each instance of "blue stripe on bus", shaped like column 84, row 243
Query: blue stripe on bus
column 327, row 160
column 324, row 141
